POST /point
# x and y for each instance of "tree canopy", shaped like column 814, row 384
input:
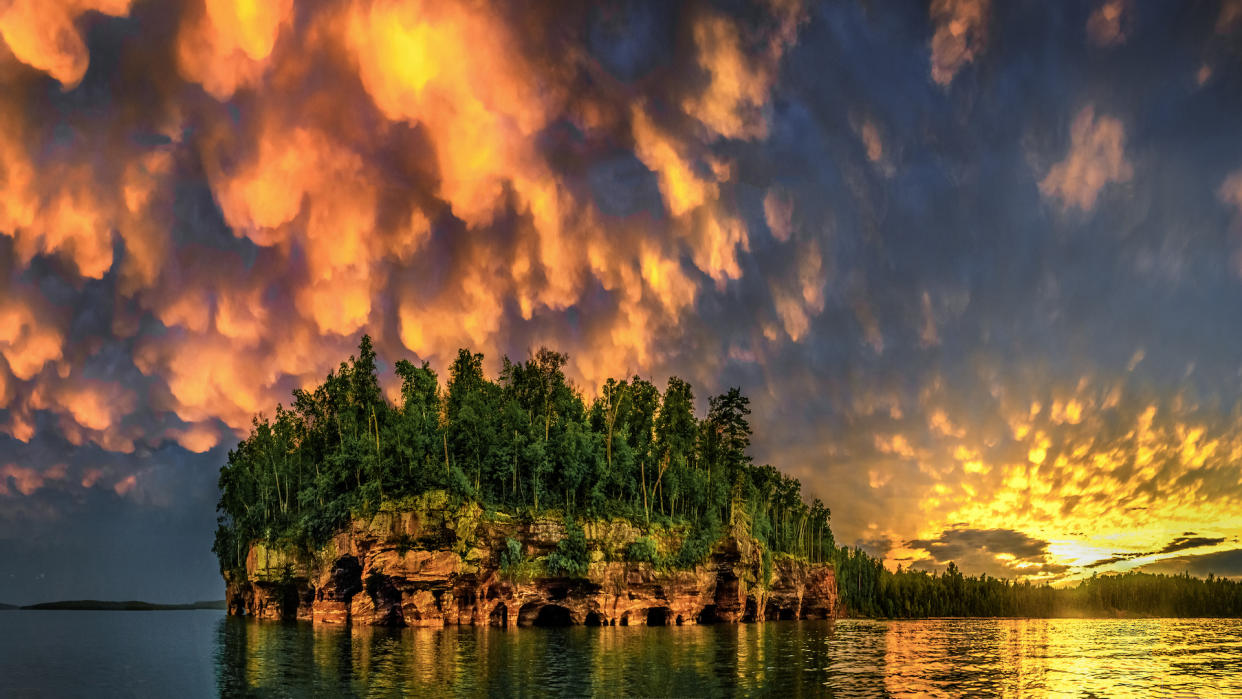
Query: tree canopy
column 525, row 442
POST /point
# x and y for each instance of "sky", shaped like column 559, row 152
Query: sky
column 978, row 265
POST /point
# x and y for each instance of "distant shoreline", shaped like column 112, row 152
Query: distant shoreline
column 127, row 606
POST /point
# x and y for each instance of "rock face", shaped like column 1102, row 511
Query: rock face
column 434, row 564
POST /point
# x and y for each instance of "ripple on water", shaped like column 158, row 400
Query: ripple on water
column 186, row 655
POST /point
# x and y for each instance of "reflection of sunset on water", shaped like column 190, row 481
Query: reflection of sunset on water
column 939, row 657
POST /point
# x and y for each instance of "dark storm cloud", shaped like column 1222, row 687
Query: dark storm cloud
column 1220, row 563
column 997, row 552
column 1182, row 543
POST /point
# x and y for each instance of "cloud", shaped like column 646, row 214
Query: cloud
column 778, row 213
column 23, row 480
column 997, row 552
column 1221, row 563
column 1095, row 159
column 1230, row 16
column 1107, row 25
column 1182, row 543
column 41, row 34
column 960, row 36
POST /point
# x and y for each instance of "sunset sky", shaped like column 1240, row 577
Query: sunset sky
column 977, row 264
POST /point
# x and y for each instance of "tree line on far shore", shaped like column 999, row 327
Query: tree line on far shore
column 867, row 588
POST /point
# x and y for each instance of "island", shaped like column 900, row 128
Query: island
column 94, row 605
column 514, row 502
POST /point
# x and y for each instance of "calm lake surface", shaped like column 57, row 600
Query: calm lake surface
column 203, row 653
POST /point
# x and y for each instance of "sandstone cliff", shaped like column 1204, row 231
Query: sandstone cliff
column 431, row 563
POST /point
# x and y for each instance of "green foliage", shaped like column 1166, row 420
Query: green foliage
column 525, row 442
column 571, row 557
column 696, row 548
column 405, row 542
column 643, row 550
column 511, row 555
column 868, row 589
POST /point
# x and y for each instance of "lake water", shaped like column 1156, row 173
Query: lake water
column 203, row 653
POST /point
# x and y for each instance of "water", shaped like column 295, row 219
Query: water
column 203, row 653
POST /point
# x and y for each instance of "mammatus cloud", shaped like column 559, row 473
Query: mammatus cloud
column 1096, row 158
column 43, row 34
column 437, row 210
column 960, row 35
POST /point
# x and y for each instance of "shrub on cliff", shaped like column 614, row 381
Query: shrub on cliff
column 510, row 555
column 696, row 548
column 571, row 557
column 643, row 550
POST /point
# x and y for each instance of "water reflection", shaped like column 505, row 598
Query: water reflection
column 1070, row 657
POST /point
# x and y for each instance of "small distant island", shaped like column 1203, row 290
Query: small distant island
column 516, row 502
column 126, row 606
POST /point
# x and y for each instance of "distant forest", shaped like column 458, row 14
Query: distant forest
column 869, row 589
column 528, row 444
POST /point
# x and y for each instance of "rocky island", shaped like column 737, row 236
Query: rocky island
column 437, row 564
column 513, row 503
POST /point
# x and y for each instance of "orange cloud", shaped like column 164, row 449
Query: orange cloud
column 778, row 212
column 1106, row 25
column 961, row 32
column 41, row 34
column 90, row 477
column 1096, row 158
column 429, row 213
column 198, row 438
column 125, row 485
column 26, row 343
column 226, row 44
column 27, row 480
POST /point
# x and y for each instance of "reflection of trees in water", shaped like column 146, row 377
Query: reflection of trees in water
column 270, row 659
column 849, row 657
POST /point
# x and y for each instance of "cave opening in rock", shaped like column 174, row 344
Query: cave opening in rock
column 625, row 619
column 752, row 610
column 499, row 616
column 592, row 619
column 288, row 602
column 788, row 615
column 346, row 579
column 771, row 612
column 553, row 615
column 708, row 615
column 658, row 616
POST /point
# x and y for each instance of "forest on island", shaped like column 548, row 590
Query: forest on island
column 528, row 444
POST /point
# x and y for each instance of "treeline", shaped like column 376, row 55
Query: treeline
column 869, row 589
column 526, row 443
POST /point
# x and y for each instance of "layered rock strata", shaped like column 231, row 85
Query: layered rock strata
column 432, row 564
